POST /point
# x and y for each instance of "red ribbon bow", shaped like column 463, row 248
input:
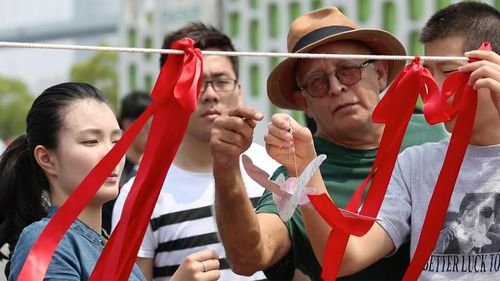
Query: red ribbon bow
column 174, row 99
column 395, row 110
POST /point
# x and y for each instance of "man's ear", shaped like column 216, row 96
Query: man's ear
column 45, row 160
column 238, row 92
column 382, row 70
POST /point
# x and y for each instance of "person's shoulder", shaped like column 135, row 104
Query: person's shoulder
column 429, row 149
column 31, row 232
column 26, row 240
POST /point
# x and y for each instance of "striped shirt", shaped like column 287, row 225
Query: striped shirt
column 182, row 222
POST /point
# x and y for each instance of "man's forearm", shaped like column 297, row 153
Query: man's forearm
column 237, row 222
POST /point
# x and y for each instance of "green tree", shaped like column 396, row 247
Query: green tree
column 15, row 102
column 100, row 71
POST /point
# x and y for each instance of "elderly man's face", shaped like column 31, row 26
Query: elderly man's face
column 345, row 111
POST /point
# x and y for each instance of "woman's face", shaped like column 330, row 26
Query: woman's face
column 89, row 131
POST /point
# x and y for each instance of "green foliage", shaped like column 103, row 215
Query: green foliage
column 15, row 102
column 100, row 71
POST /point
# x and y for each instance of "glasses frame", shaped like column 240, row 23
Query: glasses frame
column 205, row 83
column 359, row 67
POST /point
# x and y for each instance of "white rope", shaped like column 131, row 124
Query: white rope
column 4, row 44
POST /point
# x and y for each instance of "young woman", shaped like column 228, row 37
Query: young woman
column 70, row 128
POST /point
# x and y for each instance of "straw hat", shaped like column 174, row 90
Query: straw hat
column 321, row 27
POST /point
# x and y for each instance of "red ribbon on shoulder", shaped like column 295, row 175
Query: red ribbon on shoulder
column 394, row 110
column 174, row 99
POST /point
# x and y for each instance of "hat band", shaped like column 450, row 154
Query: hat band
column 319, row 34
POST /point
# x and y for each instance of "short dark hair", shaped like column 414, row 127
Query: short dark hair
column 133, row 105
column 205, row 37
column 474, row 21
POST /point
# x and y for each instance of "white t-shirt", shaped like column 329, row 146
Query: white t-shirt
column 468, row 247
column 182, row 222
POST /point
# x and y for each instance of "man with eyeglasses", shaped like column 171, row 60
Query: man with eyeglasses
column 339, row 95
column 182, row 229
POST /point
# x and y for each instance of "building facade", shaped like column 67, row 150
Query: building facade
column 260, row 26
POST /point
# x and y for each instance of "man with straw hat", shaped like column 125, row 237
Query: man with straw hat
column 340, row 95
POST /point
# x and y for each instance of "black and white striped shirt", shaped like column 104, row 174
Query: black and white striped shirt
column 182, row 221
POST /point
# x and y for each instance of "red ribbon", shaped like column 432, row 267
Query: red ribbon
column 464, row 108
column 395, row 110
column 174, row 99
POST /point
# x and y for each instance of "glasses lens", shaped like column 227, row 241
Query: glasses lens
column 318, row 85
column 224, row 85
column 349, row 75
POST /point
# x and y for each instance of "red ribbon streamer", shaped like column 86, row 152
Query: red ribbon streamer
column 395, row 110
column 174, row 99
column 464, row 108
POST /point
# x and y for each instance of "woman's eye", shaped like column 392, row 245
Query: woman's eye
column 89, row 142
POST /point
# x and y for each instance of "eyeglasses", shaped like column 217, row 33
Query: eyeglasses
column 219, row 85
column 348, row 74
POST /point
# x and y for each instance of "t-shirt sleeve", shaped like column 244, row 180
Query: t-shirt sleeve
column 266, row 204
column 149, row 244
column 395, row 212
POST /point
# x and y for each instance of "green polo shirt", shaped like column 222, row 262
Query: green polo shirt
column 343, row 171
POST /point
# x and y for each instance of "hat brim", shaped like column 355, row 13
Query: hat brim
column 281, row 82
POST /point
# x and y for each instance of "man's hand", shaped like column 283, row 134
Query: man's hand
column 289, row 143
column 232, row 134
column 485, row 73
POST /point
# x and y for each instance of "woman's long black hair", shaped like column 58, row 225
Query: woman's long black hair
column 24, row 188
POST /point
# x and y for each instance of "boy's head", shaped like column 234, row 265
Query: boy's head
column 456, row 29
column 475, row 22
column 452, row 31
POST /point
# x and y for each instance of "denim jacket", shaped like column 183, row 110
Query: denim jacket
column 75, row 256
